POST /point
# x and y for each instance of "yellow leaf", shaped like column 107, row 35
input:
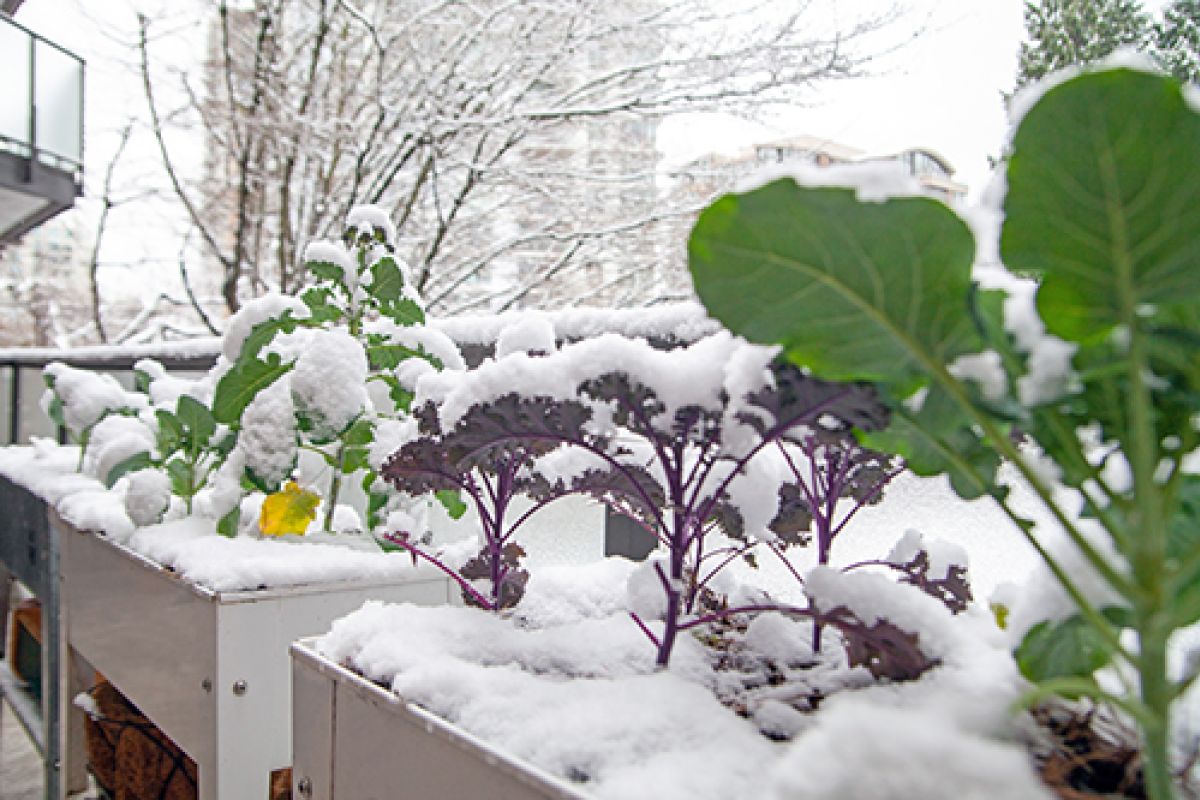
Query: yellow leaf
column 288, row 511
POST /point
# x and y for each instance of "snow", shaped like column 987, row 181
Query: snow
column 368, row 218
column 48, row 470
column 679, row 377
column 1049, row 374
column 222, row 564
column 942, row 555
column 634, row 732
column 329, row 382
column 872, row 181
column 682, row 322
column 114, row 439
column 983, row 369
column 268, row 436
column 201, row 347
column 333, row 253
column 147, row 496
column 255, row 312
column 533, row 333
column 86, row 396
column 862, row 751
column 87, row 704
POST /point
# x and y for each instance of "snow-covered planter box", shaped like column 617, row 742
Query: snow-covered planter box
column 208, row 667
column 367, row 742
column 400, row 701
column 191, row 626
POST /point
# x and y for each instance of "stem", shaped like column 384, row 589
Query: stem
column 729, row 612
column 778, row 551
column 646, row 630
column 335, row 486
column 673, row 603
column 1156, row 697
column 450, row 572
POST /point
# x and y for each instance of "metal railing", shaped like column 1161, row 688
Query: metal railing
column 22, row 386
column 41, row 118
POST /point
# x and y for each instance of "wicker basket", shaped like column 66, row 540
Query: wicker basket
column 130, row 758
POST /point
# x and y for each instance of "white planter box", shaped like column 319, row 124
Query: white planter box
column 209, row 668
column 353, row 740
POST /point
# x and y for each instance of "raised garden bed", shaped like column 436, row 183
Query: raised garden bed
column 359, row 740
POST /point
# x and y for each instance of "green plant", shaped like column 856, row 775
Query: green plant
column 189, row 447
column 355, row 312
column 1103, row 208
column 77, row 400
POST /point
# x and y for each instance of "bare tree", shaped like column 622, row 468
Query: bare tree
column 513, row 141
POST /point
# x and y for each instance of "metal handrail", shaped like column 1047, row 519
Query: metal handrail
column 21, row 364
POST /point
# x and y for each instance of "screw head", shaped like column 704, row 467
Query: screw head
column 239, row 688
column 206, row 684
column 304, row 787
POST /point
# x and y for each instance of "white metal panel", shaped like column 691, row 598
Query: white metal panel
column 384, row 749
column 210, row 669
column 254, row 678
column 312, row 733
column 149, row 632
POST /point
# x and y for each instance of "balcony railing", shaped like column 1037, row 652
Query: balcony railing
column 41, row 128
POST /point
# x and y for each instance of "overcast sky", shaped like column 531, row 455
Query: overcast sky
column 942, row 91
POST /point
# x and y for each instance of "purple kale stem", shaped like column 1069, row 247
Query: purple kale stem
column 501, row 493
column 677, row 543
column 732, row 556
column 649, row 633
column 829, row 491
column 450, row 572
column 774, row 548
column 729, row 612
column 701, row 461
column 670, row 586
column 772, row 434
column 875, row 562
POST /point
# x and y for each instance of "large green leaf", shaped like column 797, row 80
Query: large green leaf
column 387, row 281
column 238, row 387
column 133, row 463
column 198, row 420
column 852, row 290
column 1067, row 649
column 1183, row 548
column 939, row 439
column 170, row 433
column 1103, row 202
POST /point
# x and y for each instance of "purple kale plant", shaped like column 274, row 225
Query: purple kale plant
column 483, row 459
column 828, row 468
column 834, row 477
column 663, row 443
column 688, row 460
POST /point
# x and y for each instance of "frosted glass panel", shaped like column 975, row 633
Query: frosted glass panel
column 14, row 66
column 34, row 421
column 6, row 374
column 59, row 89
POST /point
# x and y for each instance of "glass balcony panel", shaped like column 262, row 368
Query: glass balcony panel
column 14, row 66
column 59, row 90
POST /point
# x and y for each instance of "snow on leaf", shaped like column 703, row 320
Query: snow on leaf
column 238, row 387
column 288, row 511
column 953, row 589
